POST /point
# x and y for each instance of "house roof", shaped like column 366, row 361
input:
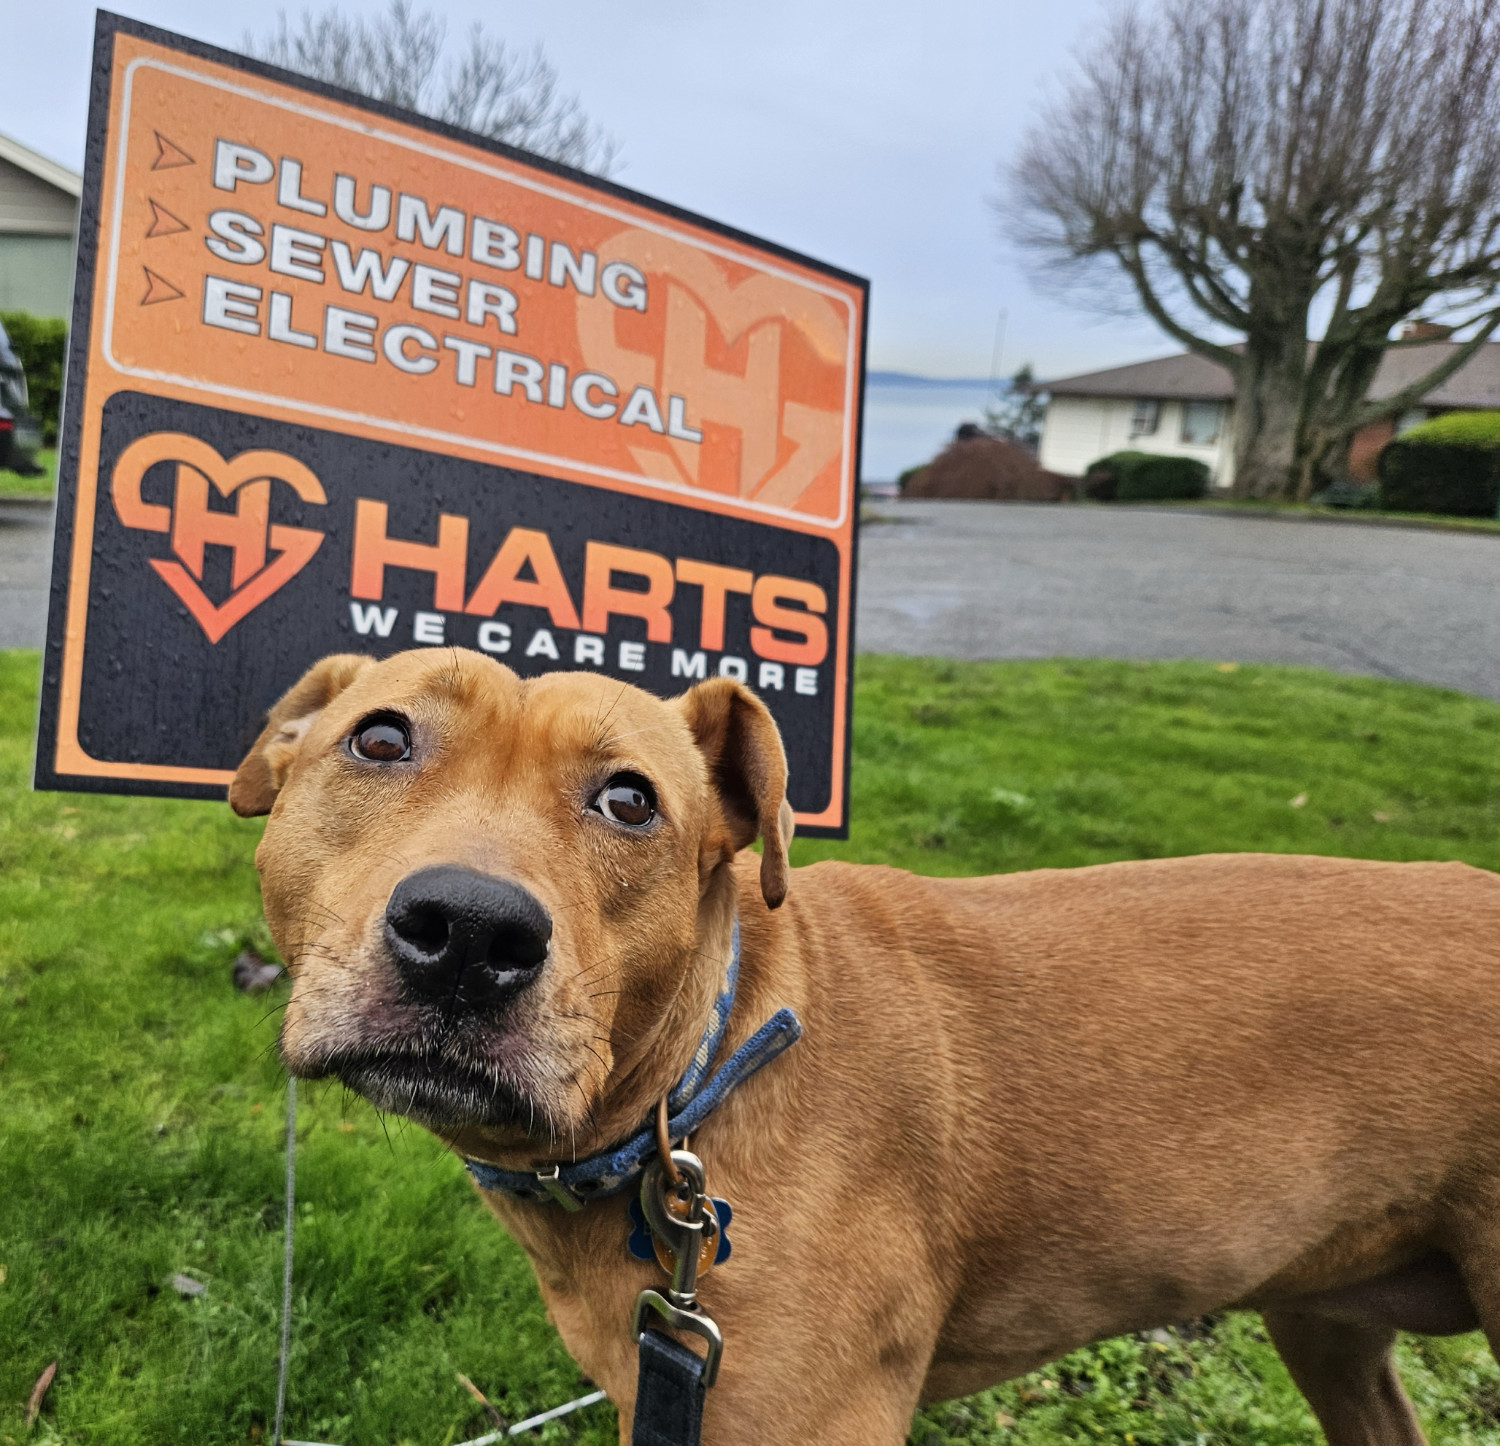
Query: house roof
column 1190, row 377
column 1183, row 377
column 40, row 167
column 1475, row 384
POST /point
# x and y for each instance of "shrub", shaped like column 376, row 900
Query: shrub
column 979, row 467
column 1145, row 477
column 1449, row 465
column 40, row 342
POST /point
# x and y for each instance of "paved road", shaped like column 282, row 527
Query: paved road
column 25, row 561
column 985, row 580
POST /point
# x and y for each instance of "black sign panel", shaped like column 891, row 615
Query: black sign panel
column 422, row 493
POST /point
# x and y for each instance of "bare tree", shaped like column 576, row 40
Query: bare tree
column 489, row 89
column 1255, row 166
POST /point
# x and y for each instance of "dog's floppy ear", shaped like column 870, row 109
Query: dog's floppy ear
column 260, row 775
column 742, row 747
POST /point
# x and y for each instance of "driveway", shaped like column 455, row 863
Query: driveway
column 1014, row 580
column 25, row 562
column 1018, row 580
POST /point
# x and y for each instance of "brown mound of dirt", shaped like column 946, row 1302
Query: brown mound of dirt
column 988, row 469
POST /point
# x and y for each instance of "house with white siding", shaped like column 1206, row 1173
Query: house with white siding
column 1183, row 406
column 1179, row 405
column 38, row 223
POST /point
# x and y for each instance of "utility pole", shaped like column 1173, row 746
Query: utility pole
column 995, row 354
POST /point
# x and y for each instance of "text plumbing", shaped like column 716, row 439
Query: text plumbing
column 787, row 639
column 442, row 309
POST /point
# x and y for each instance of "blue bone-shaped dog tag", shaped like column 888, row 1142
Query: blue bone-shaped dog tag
column 640, row 1234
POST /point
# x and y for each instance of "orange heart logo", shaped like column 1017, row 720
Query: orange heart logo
column 247, row 531
column 786, row 439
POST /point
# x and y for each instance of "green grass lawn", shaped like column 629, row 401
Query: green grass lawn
column 141, row 1103
column 14, row 485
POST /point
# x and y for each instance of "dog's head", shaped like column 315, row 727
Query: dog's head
column 494, row 892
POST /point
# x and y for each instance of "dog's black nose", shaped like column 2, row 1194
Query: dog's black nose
column 465, row 938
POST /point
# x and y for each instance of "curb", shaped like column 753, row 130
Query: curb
column 1353, row 519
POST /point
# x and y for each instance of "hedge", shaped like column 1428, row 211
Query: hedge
column 1145, row 477
column 40, row 342
column 1450, row 465
column 1458, row 429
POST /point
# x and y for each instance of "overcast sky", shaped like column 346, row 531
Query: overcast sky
column 864, row 134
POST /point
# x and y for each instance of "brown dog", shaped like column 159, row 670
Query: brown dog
column 1027, row 1112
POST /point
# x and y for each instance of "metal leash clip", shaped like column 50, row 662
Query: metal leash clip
column 551, row 1182
column 674, row 1199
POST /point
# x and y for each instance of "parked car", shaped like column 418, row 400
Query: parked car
column 20, row 434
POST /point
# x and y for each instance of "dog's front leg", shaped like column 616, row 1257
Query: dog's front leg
column 843, row 1381
column 858, row 1410
column 835, row 1354
column 833, row 1359
column 774, row 1399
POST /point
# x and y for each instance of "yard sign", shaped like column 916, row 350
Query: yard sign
column 342, row 378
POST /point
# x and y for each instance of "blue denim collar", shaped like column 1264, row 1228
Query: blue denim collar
column 690, row 1102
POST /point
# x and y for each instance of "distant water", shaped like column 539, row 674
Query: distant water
column 908, row 420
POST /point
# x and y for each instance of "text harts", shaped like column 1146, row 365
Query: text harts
column 788, row 636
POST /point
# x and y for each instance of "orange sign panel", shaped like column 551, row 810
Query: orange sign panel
column 345, row 378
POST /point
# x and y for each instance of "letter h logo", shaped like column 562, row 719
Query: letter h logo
column 247, row 531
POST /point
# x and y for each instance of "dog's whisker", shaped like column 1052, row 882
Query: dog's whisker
column 619, row 737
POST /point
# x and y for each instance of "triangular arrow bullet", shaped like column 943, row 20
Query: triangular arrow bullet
column 158, row 289
column 163, row 222
column 168, row 155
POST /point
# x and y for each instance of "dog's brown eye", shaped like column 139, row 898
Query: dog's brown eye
column 381, row 740
column 627, row 799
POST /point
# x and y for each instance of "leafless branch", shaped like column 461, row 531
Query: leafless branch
column 488, row 88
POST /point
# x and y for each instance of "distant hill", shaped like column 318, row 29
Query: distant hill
column 909, row 379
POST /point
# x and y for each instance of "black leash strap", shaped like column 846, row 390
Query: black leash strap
column 668, row 1394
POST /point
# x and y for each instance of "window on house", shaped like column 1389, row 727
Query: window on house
column 1145, row 416
column 1201, row 423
